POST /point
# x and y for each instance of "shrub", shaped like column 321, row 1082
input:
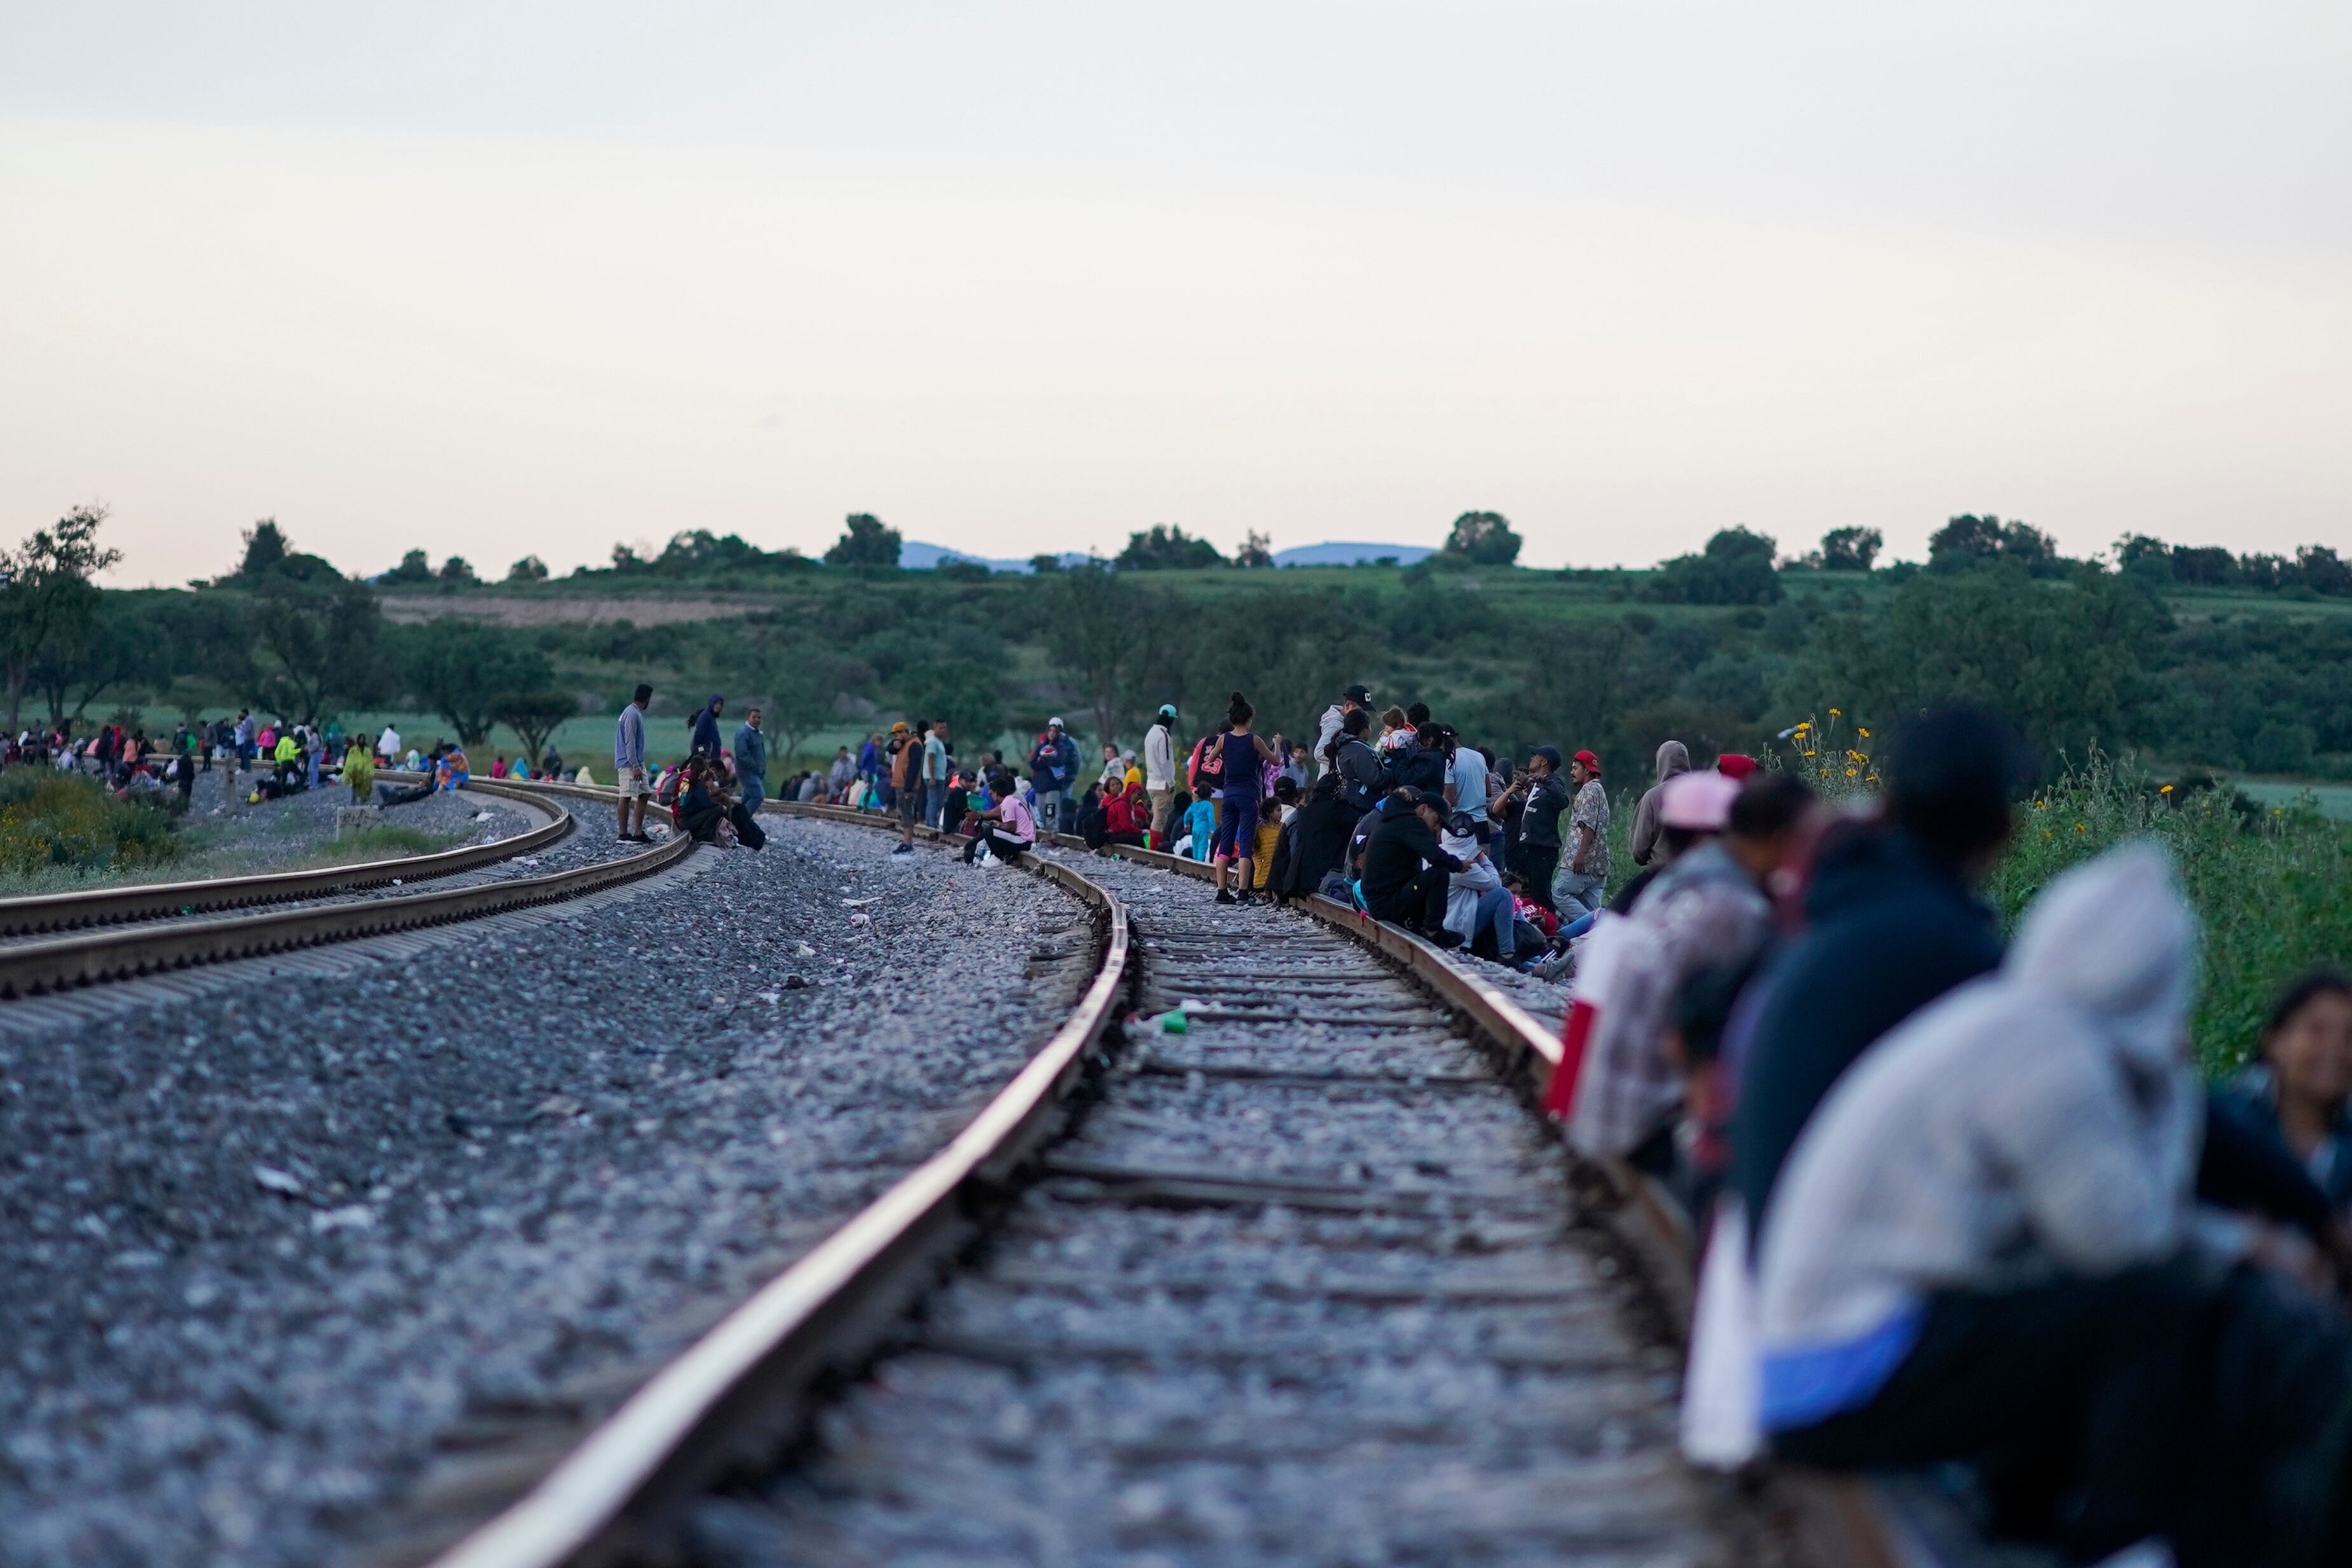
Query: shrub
column 51, row 820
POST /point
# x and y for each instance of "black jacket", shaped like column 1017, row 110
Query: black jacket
column 1422, row 768
column 1892, row 929
column 1400, row 846
column 1313, row 842
column 1361, row 780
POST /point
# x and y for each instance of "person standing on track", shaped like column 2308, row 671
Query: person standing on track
column 906, row 782
column 1586, row 876
column 1237, row 803
column 752, row 760
column 629, row 765
column 1541, row 799
column 1053, row 768
column 1159, row 772
column 705, row 724
column 935, row 773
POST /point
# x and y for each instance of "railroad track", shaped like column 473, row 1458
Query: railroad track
column 143, row 930
column 1304, row 1281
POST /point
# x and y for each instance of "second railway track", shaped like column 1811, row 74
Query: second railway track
column 1304, row 1282
column 140, row 930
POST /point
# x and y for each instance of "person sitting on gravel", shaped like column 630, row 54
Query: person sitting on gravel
column 1114, row 822
column 1005, row 830
column 452, row 769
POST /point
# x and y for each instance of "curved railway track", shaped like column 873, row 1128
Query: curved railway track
column 1303, row 1282
column 143, row 930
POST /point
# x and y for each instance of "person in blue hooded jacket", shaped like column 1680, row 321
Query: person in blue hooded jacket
column 706, row 729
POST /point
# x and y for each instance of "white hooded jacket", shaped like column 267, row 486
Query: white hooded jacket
column 2041, row 1121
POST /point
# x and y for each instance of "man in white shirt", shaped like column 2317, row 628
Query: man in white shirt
column 387, row 744
column 1160, row 773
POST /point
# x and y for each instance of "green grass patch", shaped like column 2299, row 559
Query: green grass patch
column 60, row 829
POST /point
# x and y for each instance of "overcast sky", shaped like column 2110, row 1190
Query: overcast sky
column 1025, row 278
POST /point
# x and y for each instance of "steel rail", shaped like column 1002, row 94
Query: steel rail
column 751, row 1372
column 31, row 968
column 147, row 901
column 616, row 1483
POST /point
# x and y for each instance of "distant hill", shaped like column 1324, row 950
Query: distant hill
column 1350, row 554
column 916, row 556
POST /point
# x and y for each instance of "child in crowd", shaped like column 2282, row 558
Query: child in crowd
column 1200, row 821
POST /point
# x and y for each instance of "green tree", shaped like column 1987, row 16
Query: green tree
column 2065, row 665
column 1850, row 549
column 456, row 573
column 415, row 566
column 802, row 695
column 1165, row 548
column 533, row 713
column 1256, row 550
column 462, row 670
column 1970, row 540
column 1736, row 567
column 128, row 643
column 865, row 541
column 964, row 692
column 313, row 645
column 1046, row 562
column 47, row 599
column 265, row 551
column 529, row 569
column 1092, row 623
column 1482, row 538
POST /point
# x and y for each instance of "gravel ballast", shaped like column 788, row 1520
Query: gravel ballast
column 284, row 1272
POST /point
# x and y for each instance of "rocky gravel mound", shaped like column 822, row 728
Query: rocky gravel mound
column 280, row 1266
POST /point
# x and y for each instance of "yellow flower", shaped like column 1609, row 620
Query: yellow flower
column 1851, row 773
column 2046, row 832
column 1862, row 731
column 2166, row 791
column 1837, row 713
column 2080, row 829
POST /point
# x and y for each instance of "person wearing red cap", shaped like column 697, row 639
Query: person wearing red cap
column 1578, row 889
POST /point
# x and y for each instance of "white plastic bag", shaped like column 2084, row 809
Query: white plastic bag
column 1722, row 1386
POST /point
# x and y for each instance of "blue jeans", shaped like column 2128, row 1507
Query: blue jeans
column 1495, row 914
column 1575, row 892
column 755, row 789
column 935, row 801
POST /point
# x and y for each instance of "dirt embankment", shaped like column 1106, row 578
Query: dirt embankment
column 581, row 610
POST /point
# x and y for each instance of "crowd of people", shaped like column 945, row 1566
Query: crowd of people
column 1960, row 1204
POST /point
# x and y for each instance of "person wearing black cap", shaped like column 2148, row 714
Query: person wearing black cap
column 1539, row 799
column 1407, row 874
column 1895, row 923
column 1355, row 699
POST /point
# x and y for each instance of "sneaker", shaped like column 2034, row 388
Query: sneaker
column 1225, row 895
column 1447, row 939
column 904, row 850
column 1246, row 897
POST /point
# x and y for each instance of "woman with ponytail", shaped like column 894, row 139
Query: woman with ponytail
column 1245, row 757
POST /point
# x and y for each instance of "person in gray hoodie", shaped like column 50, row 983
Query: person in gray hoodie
column 1673, row 758
column 1986, row 1244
